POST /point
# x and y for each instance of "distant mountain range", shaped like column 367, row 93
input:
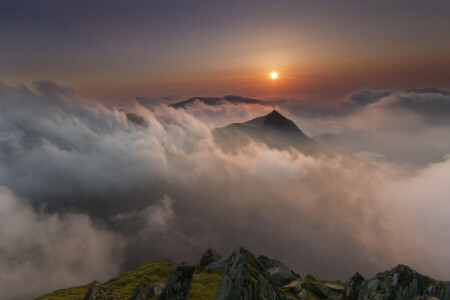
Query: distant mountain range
column 244, row 276
column 214, row 101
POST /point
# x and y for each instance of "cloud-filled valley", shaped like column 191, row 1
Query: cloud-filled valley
column 85, row 181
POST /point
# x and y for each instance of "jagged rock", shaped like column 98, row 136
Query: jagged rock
column 157, row 288
column 402, row 283
column 301, row 295
column 245, row 278
column 352, row 286
column 425, row 298
column 208, row 257
column 145, row 291
column 321, row 290
column 279, row 273
column 96, row 292
column 334, row 287
column 179, row 283
column 221, row 264
column 294, row 287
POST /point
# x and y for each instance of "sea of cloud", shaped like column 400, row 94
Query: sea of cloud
column 88, row 191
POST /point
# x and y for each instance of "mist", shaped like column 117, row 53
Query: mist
column 101, row 188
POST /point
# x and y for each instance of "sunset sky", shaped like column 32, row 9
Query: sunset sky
column 331, row 152
column 191, row 48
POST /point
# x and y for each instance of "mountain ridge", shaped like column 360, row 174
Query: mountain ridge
column 246, row 276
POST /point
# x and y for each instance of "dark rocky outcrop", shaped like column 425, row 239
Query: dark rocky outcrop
column 279, row 273
column 96, row 292
column 400, row 283
column 245, row 278
column 179, row 283
column 208, row 257
column 217, row 265
column 145, row 291
column 157, row 288
column 322, row 291
column 352, row 287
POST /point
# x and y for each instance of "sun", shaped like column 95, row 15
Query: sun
column 274, row 75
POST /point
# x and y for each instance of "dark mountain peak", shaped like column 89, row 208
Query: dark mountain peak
column 277, row 121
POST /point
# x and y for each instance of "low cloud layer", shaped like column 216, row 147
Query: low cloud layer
column 121, row 192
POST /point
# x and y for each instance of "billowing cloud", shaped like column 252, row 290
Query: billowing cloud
column 41, row 252
column 162, row 188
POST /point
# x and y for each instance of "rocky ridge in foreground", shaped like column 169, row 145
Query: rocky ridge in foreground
column 243, row 276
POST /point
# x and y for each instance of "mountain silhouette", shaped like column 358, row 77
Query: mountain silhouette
column 273, row 129
column 215, row 101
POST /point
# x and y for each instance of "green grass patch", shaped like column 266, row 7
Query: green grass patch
column 122, row 286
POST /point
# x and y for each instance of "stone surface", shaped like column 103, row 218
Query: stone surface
column 400, row 283
column 245, row 278
column 179, row 283
column 221, row 264
column 321, row 290
column 145, row 291
column 301, row 295
column 279, row 273
column 157, row 288
column 352, row 286
column 96, row 292
column 208, row 257
column 334, row 287
column 294, row 287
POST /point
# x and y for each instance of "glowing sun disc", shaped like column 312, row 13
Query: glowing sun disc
column 274, row 75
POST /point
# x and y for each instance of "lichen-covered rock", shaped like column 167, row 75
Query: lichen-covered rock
column 302, row 295
column 96, row 292
column 279, row 273
column 217, row 265
column 334, row 287
column 322, row 290
column 245, row 278
column 145, row 291
column 179, row 283
column 157, row 288
column 402, row 283
column 352, row 287
column 208, row 257
column 294, row 287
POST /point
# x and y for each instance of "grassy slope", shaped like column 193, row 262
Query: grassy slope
column 204, row 285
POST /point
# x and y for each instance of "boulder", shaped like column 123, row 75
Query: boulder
column 279, row 273
column 245, row 278
column 334, row 287
column 301, row 295
column 96, row 292
column 208, row 257
column 294, row 287
column 217, row 265
column 321, row 290
column 157, row 288
column 400, row 283
column 352, row 287
column 179, row 283
column 145, row 291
